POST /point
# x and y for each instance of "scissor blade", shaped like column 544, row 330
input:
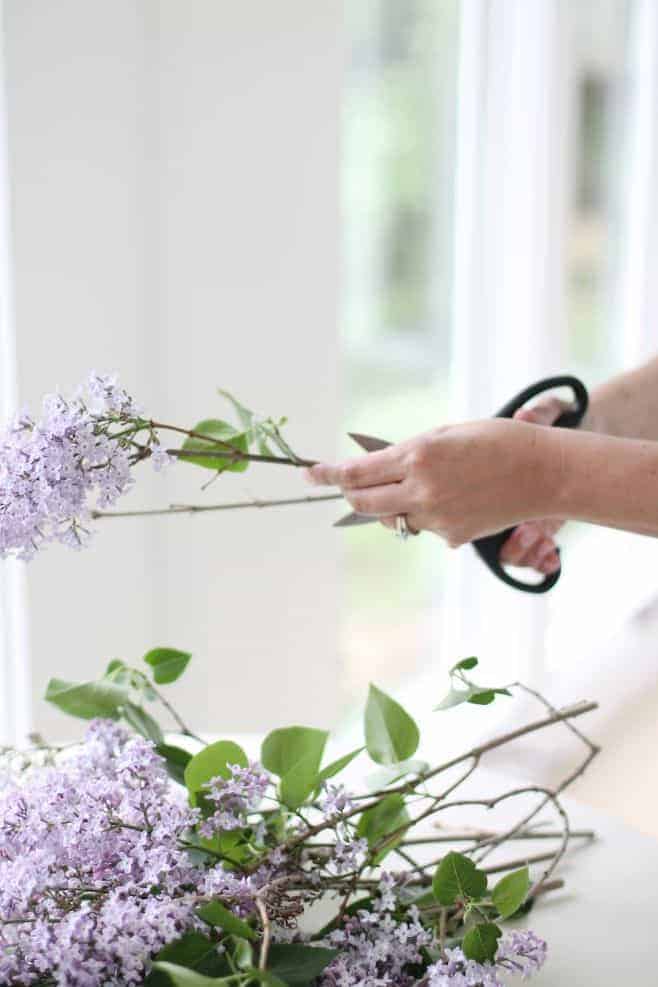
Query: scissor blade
column 352, row 519
column 368, row 442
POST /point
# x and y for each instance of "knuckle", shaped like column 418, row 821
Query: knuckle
column 350, row 474
column 418, row 458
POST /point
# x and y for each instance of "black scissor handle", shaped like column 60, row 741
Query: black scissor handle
column 488, row 548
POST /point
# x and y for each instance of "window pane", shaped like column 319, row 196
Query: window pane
column 598, row 52
column 398, row 150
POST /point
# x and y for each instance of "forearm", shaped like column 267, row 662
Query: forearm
column 626, row 405
column 608, row 481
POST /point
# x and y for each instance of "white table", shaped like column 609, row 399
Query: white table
column 602, row 928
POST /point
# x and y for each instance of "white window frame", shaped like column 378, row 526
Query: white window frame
column 15, row 679
column 507, row 314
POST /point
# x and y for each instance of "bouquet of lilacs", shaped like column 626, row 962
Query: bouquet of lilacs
column 140, row 857
column 59, row 472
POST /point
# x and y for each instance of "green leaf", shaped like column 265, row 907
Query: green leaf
column 391, row 734
column 481, row 942
column 192, row 951
column 87, row 700
column 245, row 416
column 211, row 762
column 511, row 892
column 217, row 431
column 300, row 782
column 142, row 722
column 298, row 965
column 484, row 697
column 454, row 698
column 282, row 749
column 168, row 664
column 339, row 765
column 254, row 429
column 466, row 664
column 117, row 671
column 458, row 877
column 472, row 694
column 294, row 754
column 386, row 817
column 265, row 977
column 176, row 760
column 182, row 976
column 214, row 913
column 243, row 953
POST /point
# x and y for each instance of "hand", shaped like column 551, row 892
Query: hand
column 460, row 481
column 533, row 543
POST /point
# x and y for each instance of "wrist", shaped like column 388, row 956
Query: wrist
column 560, row 478
column 542, row 488
column 597, row 417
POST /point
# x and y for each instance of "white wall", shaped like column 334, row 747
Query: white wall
column 174, row 193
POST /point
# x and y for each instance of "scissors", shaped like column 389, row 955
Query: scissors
column 488, row 548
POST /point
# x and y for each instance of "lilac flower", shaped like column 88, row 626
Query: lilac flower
column 234, row 798
column 347, row 854
column 335, row 800
column 519, row 952
column 53, row 471
column 374, row 949
column 522, row 952
column 94, row 875
column 160, row 460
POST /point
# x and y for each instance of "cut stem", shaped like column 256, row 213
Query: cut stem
column 205, row 508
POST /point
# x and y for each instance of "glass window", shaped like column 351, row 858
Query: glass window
column 397, row 174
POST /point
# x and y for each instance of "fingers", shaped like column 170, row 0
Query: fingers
column 544, row 413
column 387, row 500
column 365, row 471
column 532, row 545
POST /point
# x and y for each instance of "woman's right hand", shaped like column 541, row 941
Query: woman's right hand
column 533, row 543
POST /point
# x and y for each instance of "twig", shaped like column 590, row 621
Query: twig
column 237, row 456
column 408, row 787
column 267, row 931
column 184, row 729
column 203, row 508
column 478, row 837
column 550, row 795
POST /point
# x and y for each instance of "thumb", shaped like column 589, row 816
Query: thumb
column 544, row 413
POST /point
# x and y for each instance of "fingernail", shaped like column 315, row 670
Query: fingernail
column 309, row 477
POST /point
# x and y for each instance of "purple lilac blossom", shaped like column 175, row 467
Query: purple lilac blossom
column 54, row 470
column 519, row 952
column 335, row 800
column 234, row 798
column 94, row 880
column 347, row 854
column 374, row 949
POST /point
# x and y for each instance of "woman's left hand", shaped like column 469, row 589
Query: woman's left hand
column 459, row 481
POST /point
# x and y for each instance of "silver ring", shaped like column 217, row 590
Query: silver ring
column 401, row 527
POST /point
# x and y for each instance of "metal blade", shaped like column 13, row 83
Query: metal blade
column 352, row 519
column 369, row 443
